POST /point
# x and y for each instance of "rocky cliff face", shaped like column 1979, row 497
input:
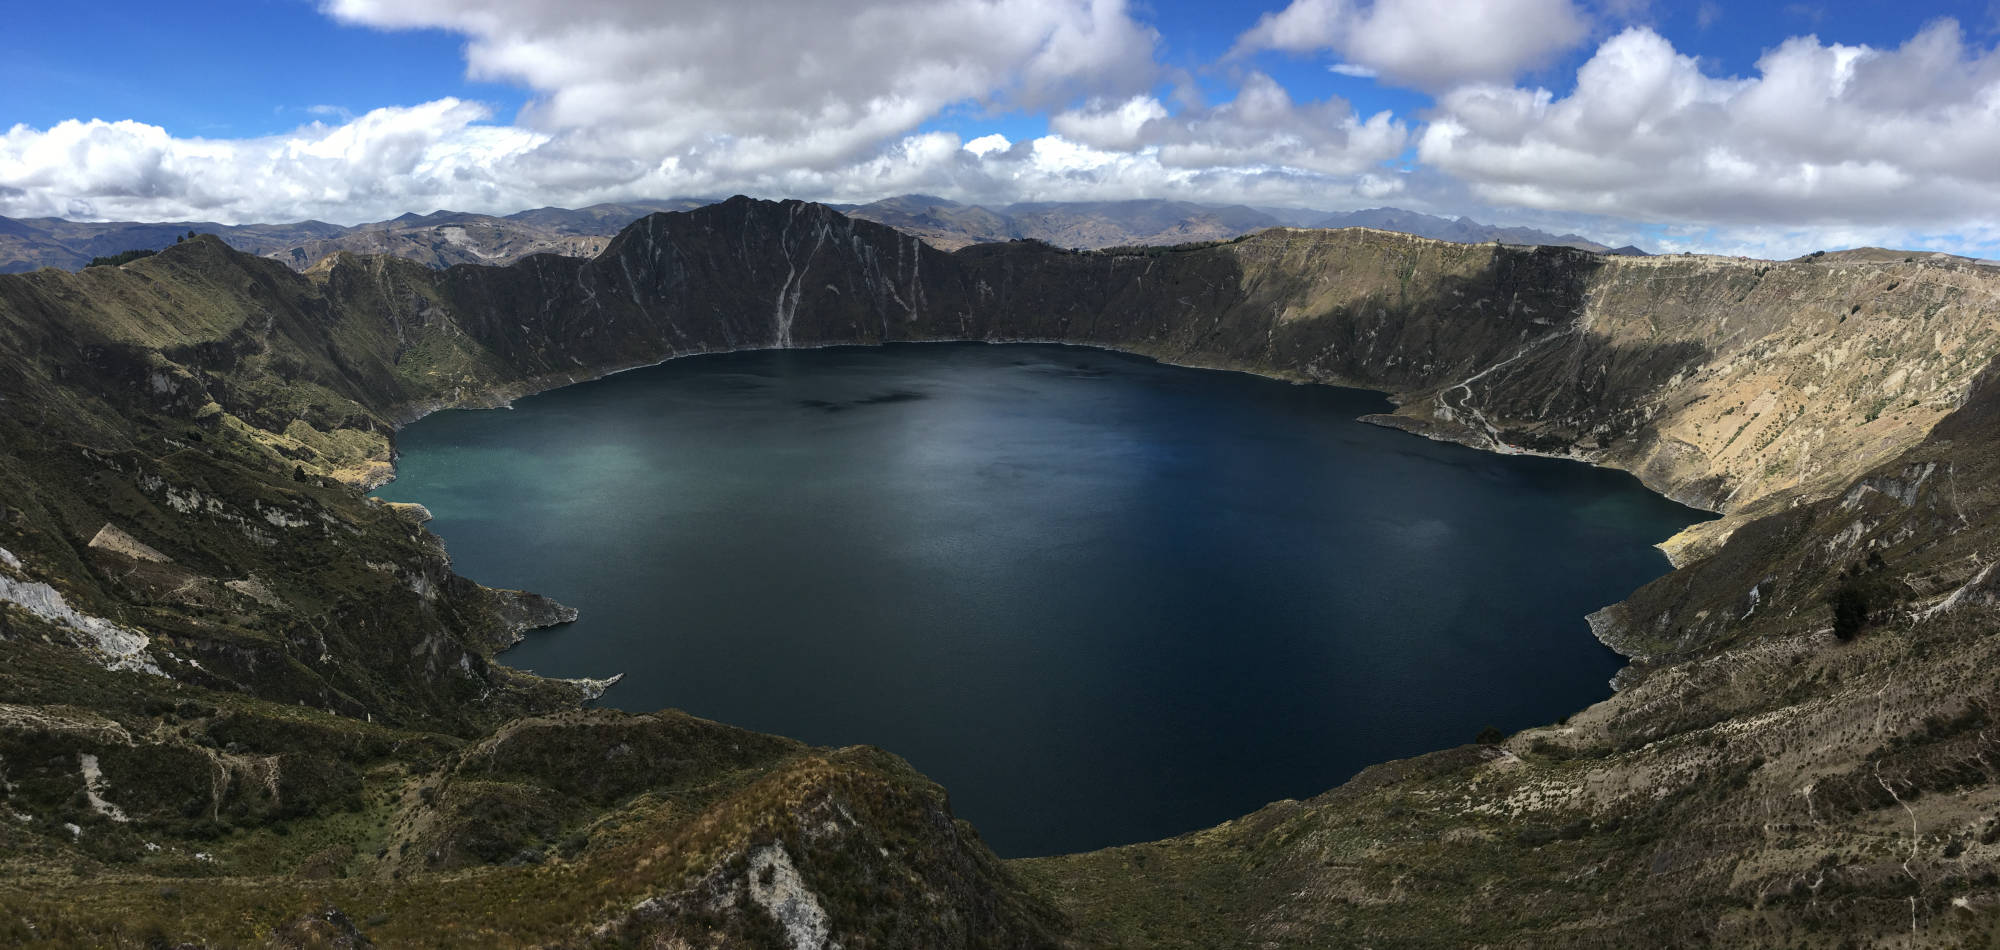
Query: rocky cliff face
column 310, row 658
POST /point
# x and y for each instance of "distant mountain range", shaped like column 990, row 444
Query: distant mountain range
column 440, row 239
column 1094, row 224
column 444, row 238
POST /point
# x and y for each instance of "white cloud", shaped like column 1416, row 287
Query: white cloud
column 1825, row 135
column 438, row 155
column 1426, row 44
column 430, row 155
column 633, row 98
column 1109, row 125
column 1824, row 145
column 988, row 143
column 762, row 84
column 1303, row 26
column 771, row 97
column 1262, row 128
column 1052, row 168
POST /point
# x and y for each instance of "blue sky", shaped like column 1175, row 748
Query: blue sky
column 249, row 68
column 1754, row 128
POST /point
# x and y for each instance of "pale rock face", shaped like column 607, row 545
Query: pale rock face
column 115, row 539
column 593, row 689
column 94, row 788
column 411, row 511
column 283, row 519
column 113, row 646
column 777, row 887
column 256, row 590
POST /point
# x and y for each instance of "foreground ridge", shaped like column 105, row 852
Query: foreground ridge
column 330, row 753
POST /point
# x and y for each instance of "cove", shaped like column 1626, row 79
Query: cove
column 1100, row 599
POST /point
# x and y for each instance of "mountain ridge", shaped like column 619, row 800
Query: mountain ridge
column 443, row 237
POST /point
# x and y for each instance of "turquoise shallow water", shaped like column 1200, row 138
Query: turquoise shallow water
column 1101, row 600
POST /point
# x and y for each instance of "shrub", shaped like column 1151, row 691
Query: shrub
column 1850, row 610
column 122, row 257
column 1544, row 747
column 1534, row 836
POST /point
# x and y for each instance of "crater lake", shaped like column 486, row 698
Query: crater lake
column 1100, row 599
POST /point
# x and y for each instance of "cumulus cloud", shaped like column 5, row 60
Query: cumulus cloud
column 395, row 157
column 1052, row 168
column 758, row 84
column 988, row 143
column 442, row 155
column 1303, row 26
column 1824, row 145
column 1261, row 127
column 1108, row 125
column 1824, row 135
column 1425, row 44
column 774, row 97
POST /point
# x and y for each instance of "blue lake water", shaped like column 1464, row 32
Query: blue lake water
column 1100, row 599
